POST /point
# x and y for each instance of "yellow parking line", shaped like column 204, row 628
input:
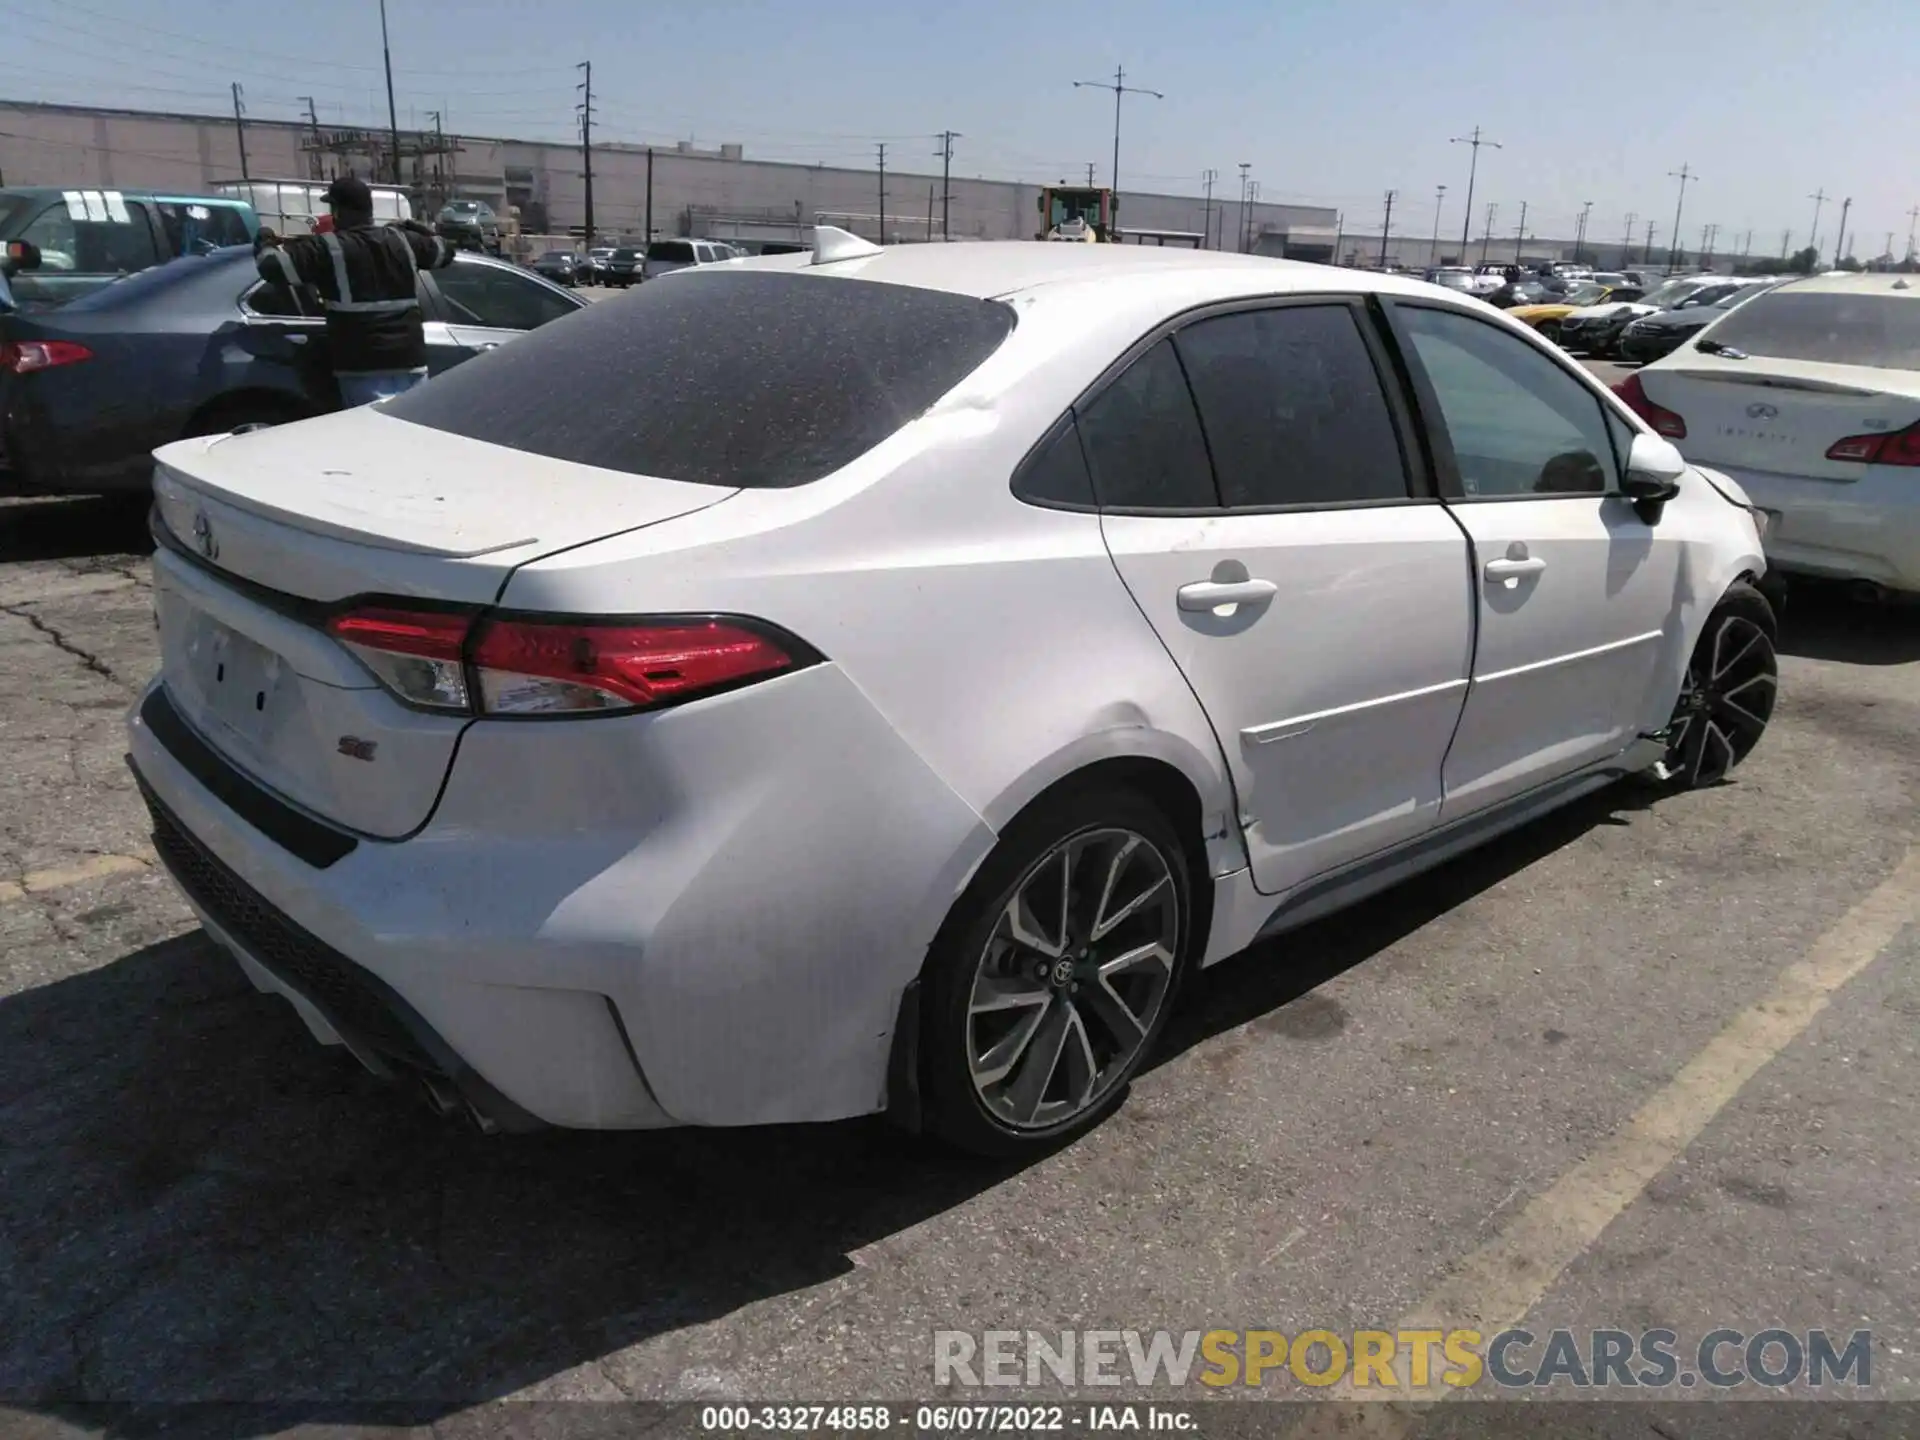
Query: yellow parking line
column 93, row 868
column 1495, row 1287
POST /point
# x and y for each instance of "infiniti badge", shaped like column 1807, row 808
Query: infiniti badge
column 1762, row 411
column 203, row 536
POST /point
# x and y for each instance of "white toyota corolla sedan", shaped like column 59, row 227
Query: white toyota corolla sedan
column 871, row 681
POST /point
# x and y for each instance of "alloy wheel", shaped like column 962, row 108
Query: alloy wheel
column 1073, row 977
column 1724, row 704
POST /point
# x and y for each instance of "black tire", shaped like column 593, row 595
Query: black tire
column 1727, row 695
column 1550, row 330
column 972, row 943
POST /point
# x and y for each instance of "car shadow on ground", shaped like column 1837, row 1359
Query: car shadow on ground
column 73, row 528
column 1822, row 622
column 196, row 1201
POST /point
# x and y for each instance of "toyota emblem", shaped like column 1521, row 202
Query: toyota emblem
column 1762, row 411
column 203, row 536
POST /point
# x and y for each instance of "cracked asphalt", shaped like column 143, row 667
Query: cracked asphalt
column 197, row 1204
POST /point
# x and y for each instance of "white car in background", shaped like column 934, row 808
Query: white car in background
column 1809, row 396
column 1595, row 329
column 897, row 731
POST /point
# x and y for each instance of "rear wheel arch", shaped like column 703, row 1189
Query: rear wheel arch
column 244, row 407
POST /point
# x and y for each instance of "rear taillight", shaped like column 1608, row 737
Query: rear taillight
column 457, row 662
column 1664, row 421
column 542, row 668
column 417, row 654
column 23, row 357
column 1897, row 447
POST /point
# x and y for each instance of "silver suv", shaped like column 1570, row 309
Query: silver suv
column 666, row 255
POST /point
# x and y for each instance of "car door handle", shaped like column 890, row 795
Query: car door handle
column 488, row 345
column 1514, row 569
column 1211, row 594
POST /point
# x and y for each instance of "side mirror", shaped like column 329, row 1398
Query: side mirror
column 21, row 255
column 1654, row 471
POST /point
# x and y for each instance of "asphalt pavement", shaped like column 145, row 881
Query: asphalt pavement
column 1646, row 1063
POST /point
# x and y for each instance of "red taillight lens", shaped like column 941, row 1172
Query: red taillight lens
column 543, row 668
column 415, row 653
column 1663, row 420
column 23, row 357
column 441, row 660
column 1899, row 447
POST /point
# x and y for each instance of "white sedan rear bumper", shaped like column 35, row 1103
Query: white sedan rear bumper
column 703, row 916
column 1863, row 529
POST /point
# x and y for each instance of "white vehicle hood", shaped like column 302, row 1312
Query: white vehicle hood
column 1608, row 310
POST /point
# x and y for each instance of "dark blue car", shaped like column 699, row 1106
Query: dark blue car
column 201, row 346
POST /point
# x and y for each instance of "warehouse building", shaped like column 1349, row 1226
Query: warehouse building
column 722, row 193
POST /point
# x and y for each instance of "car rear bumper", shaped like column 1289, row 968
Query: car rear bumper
column 1867, row 529
column 694, row 918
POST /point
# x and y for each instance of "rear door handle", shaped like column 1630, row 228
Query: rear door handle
column 1514, row 569
column 1211, row 594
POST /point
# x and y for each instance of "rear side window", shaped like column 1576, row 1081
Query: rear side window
column 677, row 251
column 95, row 241
column 725, row 378
column 1293, row 408
column 1143, row 439
column 1839, row 328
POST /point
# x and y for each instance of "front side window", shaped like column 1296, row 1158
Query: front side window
column 1520, row 425
column 496, row 297
column 1143, row 439
column 1292, row 408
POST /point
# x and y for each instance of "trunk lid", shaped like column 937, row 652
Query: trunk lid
column 267, row 531
column 1779, row 416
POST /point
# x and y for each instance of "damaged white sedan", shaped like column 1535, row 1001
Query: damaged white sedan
column 872, row 680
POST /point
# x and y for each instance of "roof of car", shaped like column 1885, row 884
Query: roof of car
column 1845, row 284
column 997, row 268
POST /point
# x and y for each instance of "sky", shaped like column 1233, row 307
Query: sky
column 1326, row 102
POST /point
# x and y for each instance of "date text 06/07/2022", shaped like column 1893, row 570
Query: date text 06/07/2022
column 942, row 1419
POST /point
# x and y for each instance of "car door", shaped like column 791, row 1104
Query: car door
column 1263, row 509
column 286, row 328
column 485, row 305
column 1576, row 593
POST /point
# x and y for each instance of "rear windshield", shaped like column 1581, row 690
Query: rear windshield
column 670, row 250
column 1855, row 328
column 726, row 378
column 626, row 254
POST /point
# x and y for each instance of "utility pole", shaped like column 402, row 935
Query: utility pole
column 240, row 130
column 883, row 192
column 1520, row 235
column 1786, row 240
column 1119, row 88
column 1580, row 234
column 1707, row 234
column 1244, row 167
column 314, row 167
column 1746, row 243
column 1439, row 199
column 1386, row 230
column 1090, row 174
column 1819, row 198
column 1646, row 257
column 1206, row 236
column 929, row 211
column 1339, row 233
column 1888, row 252
column 1913, row 220
column 1840, row 245
column 649, row 235
column 1473, row 168
column 1683, row 175
column 393, row 114
column 1626, row 249
column 586, row 140
column 440, row 179
column 945, row 152
column 1487, row 239
column 1253, row 201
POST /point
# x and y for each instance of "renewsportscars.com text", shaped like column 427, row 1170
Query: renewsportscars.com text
column 1723, row 1358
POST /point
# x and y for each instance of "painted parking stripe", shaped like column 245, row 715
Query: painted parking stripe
column 1496, row 1286
column 94, row 867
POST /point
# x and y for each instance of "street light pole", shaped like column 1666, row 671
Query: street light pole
column 1840, row 245
column 1244, row 167
column 1520, row 235
column 1206, row 223
column 1819, row 198
column 1119, row 88
column 1473, row 168
column 1386, row 230
column 1683, row 175
column 1439, row 199
column 393, row 114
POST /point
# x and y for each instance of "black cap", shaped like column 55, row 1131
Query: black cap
column 350, row 192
